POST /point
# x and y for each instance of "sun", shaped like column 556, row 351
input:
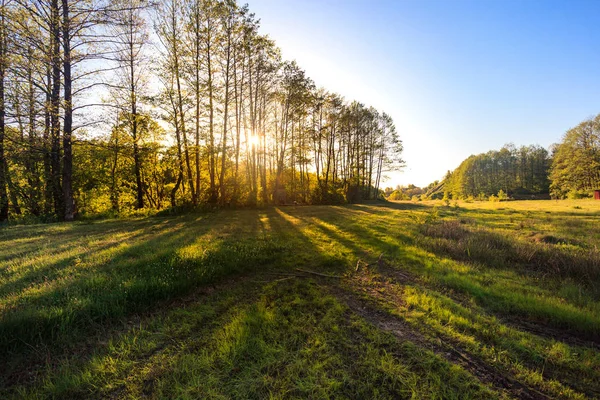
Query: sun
column 254, row 140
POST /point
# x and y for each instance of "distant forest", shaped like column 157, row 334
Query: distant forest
column 114, row 106
column 571, row 169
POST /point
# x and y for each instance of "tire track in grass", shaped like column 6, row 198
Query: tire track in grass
column 403, row 277
column 403, row 331
column 536, row 327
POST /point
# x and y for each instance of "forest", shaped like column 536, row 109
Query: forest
column 515, row 171
column 122, row 105
column 571, row 169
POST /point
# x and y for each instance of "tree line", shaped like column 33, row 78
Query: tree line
column 515, row 171
column 570, row 169
column 111, row 105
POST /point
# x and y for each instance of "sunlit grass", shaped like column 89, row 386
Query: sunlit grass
column 287, row 340
column 509, row 283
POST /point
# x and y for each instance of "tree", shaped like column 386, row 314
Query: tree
column 576, row 160
column 130, row 38
column 3, row 69
column 521, row 171
column 244, row 126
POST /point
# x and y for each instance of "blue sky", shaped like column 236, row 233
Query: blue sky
column 458, row 77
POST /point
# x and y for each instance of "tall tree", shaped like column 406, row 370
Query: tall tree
column 576, row 161
column 3, row 69
column 130, row 38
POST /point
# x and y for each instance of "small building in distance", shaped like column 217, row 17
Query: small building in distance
column 597, row 194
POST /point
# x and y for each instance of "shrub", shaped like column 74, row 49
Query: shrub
column 430, row 217
column 578, row 194
column 502, row 196
column 493, row 198
column 451, row 230
column 396, row 195
column 320, row 195
column 446, row 200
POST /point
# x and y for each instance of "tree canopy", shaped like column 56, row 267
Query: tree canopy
column 576, row 160
column 513, row 170
column 110, row 105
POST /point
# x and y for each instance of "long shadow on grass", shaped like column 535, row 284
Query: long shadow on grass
column 186, row 255
column 384, row 207
column 61, row 237
column 179, row 257
column 50, row 272
column 344, row 226
column 347, row 226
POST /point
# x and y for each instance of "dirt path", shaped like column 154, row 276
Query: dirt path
column 536, row 327
column 403, row 331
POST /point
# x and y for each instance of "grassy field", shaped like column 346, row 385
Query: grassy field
column 387, row 300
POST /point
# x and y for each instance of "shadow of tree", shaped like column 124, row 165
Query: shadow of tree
column 160, row 259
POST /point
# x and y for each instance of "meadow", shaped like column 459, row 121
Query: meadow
column 381, row 300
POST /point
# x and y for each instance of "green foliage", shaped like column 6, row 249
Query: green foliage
column 576, row 162
column 321, row 195
column 516, row 170
column 410, row 192
column 446, row 200
column 502, row 196
column 578, row 194
column 396, row 195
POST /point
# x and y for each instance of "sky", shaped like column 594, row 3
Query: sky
column 459, row 77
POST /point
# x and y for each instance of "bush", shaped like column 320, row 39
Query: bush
column 494, row 199
column 502, row 196
column 331, row 197
column 431, row 217
column 446, row 200
column 396, row 195
column 578, row 194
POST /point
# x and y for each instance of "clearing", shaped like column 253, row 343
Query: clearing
column 385, row 300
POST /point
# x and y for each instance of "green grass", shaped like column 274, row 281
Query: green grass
column 203, row 305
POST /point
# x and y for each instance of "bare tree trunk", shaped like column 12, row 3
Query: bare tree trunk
column 228, row 28
column 211, row 113
column 238, row 88
column 137, row 164
column 3, row 163
column 180, row 104
column 55, row 108
column 197, row 66
column 114, row 193
column 179, row 155
column 67, row 173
